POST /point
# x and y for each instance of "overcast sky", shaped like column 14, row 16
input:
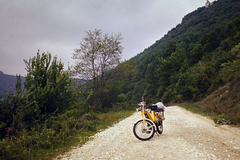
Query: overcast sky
column 58, row 26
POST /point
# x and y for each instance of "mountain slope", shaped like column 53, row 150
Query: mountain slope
column 193, row 59
column 224, row 100
column 7, row 82
column 197, row 23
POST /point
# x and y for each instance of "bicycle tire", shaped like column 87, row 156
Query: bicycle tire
column 159, row 126
column 145, row 132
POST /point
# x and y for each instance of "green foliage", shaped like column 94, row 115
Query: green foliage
column 138, row 91
column 48, row 91
column 62, row 132
column 121, row 98
column 18, row 112
column 185, row 85
column 169, row 96
column 52, row 87
column 124, row 74
column 202, row 83
column 191, row 60
column 196, row 53
column 231, row 69
column 56, row 133
column 212, row 40
column 224, row 100
column 97, row 56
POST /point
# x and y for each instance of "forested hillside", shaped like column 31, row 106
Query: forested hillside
column 193, row 59
column 7, row 82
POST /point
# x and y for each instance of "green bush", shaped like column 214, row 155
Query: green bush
column 121, row 98
column 168, row 96
column 184, row 85
column 56, row 132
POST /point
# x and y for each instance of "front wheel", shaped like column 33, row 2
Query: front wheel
column 144, row 131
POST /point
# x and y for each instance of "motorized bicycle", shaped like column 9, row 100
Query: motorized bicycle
column 151, row 122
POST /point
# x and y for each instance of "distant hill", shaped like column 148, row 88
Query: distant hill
column 80, row 81
column 7, row 82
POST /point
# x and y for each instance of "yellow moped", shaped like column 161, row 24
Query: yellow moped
column 151, row 122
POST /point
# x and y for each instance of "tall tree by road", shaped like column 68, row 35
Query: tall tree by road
column 97, row 55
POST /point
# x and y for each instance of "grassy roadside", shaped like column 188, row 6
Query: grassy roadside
column 195, row 109
column 219, row 119
column 65, row 133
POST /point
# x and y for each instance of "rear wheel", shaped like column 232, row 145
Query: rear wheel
column 144, row 131
column 159, row 127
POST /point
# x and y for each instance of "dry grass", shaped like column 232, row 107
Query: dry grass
column 224, row 101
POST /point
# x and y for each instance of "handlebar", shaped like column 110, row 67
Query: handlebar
column 142, row 103
column 151, row 107
column 139, row 109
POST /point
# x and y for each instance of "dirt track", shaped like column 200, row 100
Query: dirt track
column 185, row 136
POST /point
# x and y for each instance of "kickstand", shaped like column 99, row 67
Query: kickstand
column 157, row 133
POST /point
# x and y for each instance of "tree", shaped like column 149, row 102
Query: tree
column 196, row 53
column 231, row 69
column 51, row 87
column 185, row 85
column 97, row 55
column 168, row 70
column 125, row 73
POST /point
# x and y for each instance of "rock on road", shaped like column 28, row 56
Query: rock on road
column 185, row 136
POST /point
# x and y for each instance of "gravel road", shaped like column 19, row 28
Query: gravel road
column 185, row 136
